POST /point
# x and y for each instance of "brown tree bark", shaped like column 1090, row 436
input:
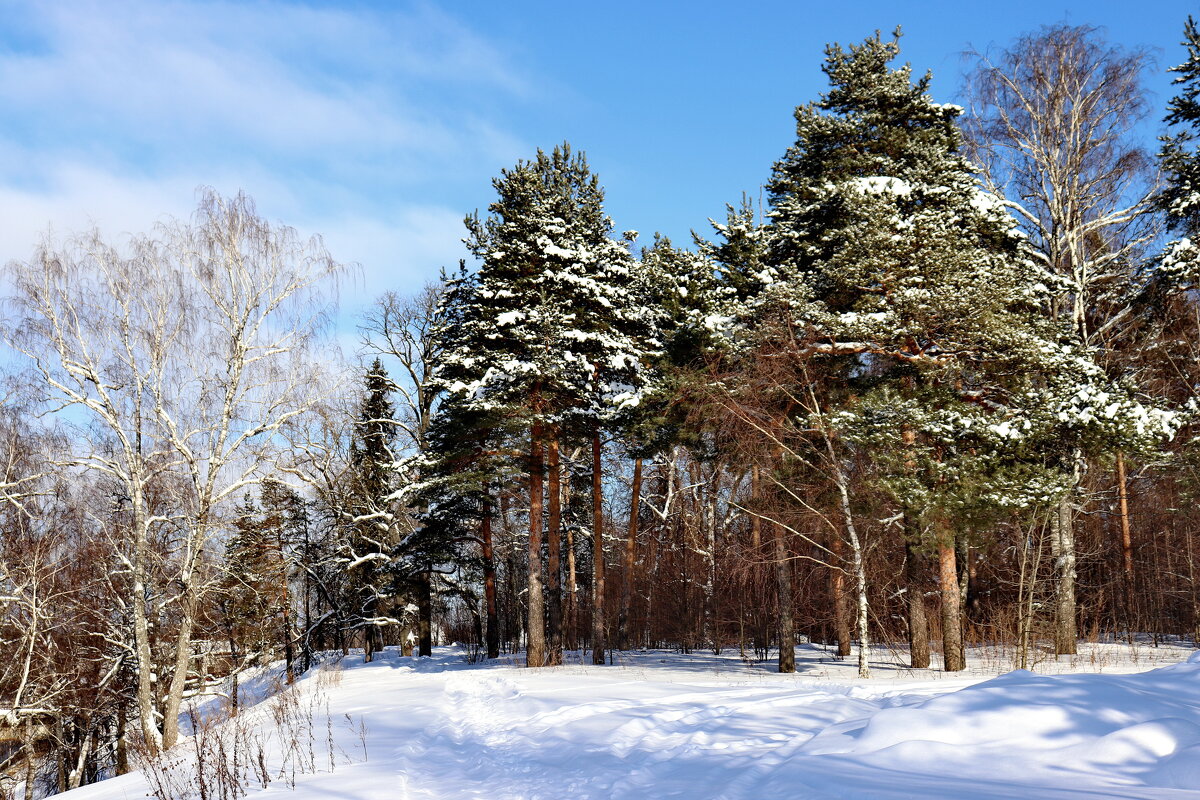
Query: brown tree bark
column 918, row 621
column 599, row 645
column 571, row 617
column 489, row 580
column 953, row 656
column 783, row 591
column 535, row 650
column 1126, row 541
column 425, row 614
column 554, row 637
column 841, row 605
column 623, row 621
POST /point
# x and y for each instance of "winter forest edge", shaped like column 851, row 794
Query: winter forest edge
column 934, row 390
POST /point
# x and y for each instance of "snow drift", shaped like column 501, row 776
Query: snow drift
column 678, row 726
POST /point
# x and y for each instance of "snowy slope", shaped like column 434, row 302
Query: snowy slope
column 697, row 727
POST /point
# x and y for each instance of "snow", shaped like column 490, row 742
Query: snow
column 882, row 184
column 660, row 724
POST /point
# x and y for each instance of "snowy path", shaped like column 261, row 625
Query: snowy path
column 439, row 728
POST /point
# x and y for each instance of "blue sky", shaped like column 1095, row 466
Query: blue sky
column 380, row 125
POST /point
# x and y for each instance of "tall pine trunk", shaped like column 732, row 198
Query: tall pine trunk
column 571, row 617
column 953, row 656
column 914, row 590
column 489, row 579
column 599, row 645
column 841, row 605
column 1126, row 543
column 624, row 622
column 425, row 614
column 535, row 651
column 554, row 637
column 914, row 573
column 783, row 591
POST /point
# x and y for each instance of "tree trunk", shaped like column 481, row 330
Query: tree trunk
column 75, row 771
column 571, row 617
column 425, row 615
column 841, row 605
column 535, row 650
column 623, row 621
column 860, row 569
column 146, row 704
column 783, row 591
column 183, row 660
column 599, row 645
column 30, row 759
column 918, row 621
column 554, row 652
column 289, row 650
column 953, row 656
column 489, row 580
column 1126, row 543
column 1062, row 542
column 122, row 743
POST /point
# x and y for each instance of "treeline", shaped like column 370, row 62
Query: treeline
column 938, row 392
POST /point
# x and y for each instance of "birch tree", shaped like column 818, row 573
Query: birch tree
column 180, row 354
column 1053, row 127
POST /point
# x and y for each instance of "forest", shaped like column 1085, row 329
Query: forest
column 932, row 387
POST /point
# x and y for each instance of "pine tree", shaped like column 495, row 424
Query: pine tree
column 256, row 602
column 371, row 513
column 463, row 464
column 549, row 339
column 893, row 268
column 740, row 256
column 1180, row 161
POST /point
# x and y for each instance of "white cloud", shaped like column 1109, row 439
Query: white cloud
column 272, row 74
column 363, row 125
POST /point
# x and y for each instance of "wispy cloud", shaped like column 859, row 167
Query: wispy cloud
column 351, row 121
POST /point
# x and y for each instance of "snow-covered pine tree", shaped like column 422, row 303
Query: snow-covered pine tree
column 465, row 460
column 674, row 290
column 739, row 256
column 889, row 259
column 371, row 512
column 1180, row 161
column 550, row 340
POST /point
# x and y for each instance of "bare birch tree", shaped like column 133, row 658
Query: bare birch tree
column 184, row 354
column 1052, row 125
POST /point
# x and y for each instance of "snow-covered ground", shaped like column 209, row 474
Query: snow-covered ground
column 662, row 725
